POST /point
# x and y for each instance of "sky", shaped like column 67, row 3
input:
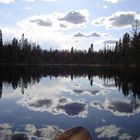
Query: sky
column 61, row 24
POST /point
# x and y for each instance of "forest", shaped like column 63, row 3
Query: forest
column 22, row 51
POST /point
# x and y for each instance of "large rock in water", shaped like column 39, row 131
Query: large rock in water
column 77, row 133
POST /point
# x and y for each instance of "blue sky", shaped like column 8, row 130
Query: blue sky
column 65, row 23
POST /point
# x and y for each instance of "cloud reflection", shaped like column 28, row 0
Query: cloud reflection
column 79, row 91
column 55, row 100
column 108, row 131
column 73, row 109
column 88, row 92
column 46, row 102
column 117, row 107
column 5, row 125
column 47, row 133
column 125, row 136
column 57, row 106
column 112, row 132
column 31, row 132
column 110, row 85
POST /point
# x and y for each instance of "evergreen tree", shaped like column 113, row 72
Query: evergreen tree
column 1, row 39
column 1, row 47
column 125, row 47
column 126, row 51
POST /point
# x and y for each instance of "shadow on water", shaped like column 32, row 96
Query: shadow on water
column 125, row 79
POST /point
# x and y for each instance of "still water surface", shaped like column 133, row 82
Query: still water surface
column 39, row 103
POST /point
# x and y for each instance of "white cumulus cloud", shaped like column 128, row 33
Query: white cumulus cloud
column 42, row 0
column 118, row 20
column 91, row 34
column 7, row 1
column 57, row 20
column 113, row 1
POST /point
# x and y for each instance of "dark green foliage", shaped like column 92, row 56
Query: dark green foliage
column 19, row 51
column 126, row 51
column 1, row 47
column 1, row 42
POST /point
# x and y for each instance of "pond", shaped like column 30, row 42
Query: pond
column 41, row 102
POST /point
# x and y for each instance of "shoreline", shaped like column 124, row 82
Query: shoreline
column 74, row 65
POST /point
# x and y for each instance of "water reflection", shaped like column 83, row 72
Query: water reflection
column 73, row 109
column 57, row 106
column 108, row 131
column 89, row 97
column 112, row 132
column 1, row 85
column 22, row 76
column 78, row 91
column 40, row 103
column 119, row 108
column 87, row 92
column 48, row 133
column 30, row 132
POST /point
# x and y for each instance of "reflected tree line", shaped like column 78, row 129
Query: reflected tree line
column 125, row 79
column 23, row 51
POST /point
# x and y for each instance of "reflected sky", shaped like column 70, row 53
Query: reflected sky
column 30, row 132
column 73, row 109
column 113, row 132
column 117, row 107
column 55, row 104
column 89, row 92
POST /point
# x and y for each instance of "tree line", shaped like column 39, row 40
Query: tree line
column 23, row 51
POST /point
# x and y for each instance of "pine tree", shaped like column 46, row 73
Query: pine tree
column 1, row 47
column 125, row 47
column 1, row 40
